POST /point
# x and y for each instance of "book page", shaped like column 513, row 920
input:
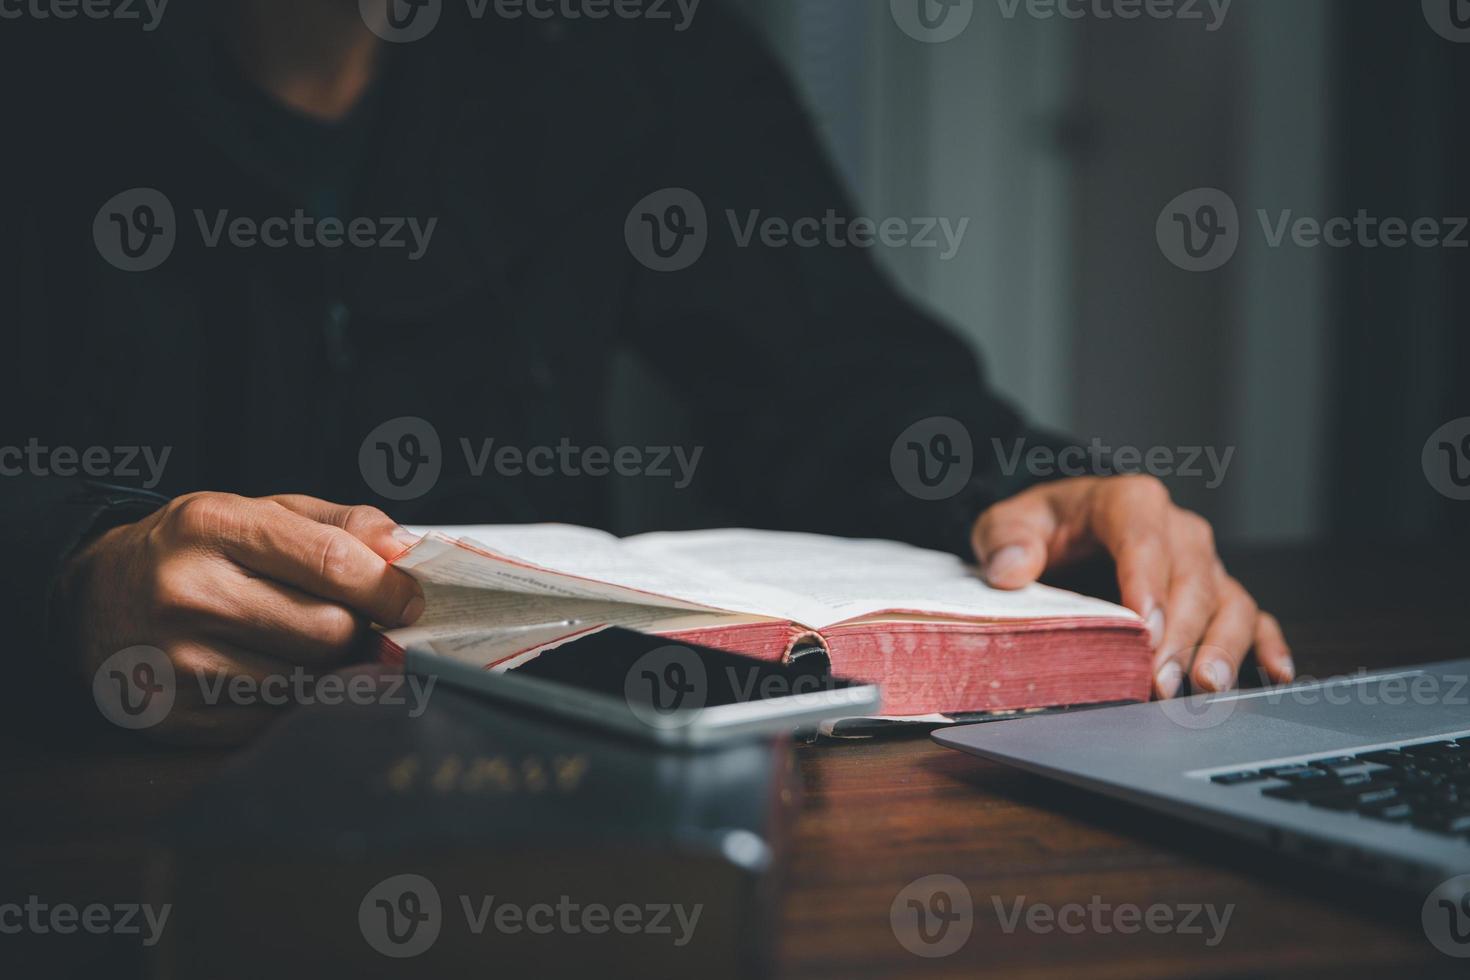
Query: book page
column 851, row 579
column 449, row 560
column 576, row 563
column 476, row 623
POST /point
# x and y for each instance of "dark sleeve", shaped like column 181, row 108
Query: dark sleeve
column 44, row 517
column 44, row 520
column 804, row 365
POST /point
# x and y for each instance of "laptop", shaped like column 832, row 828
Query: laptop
column 1368, row 773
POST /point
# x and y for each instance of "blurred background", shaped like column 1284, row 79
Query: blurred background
column 1064, row 138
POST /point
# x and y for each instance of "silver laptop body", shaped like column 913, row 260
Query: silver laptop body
column 1238, row 762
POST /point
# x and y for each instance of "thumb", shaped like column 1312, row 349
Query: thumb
column 1011, row 538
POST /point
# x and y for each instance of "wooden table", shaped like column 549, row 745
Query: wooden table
column 881, row 815
column 877, row 816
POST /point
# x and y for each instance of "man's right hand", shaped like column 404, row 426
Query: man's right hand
column 231, row 586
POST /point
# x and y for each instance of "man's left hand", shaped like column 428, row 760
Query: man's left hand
column 1202, row 621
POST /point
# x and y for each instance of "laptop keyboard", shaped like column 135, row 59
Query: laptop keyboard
column 1426, row 785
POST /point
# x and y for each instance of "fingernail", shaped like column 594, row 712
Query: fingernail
column 1155, row 623
column 1216, row 675
column 1005, row 563
column 412, row 611
column 1289, row 667
column 405, row 537
column 1169, row 679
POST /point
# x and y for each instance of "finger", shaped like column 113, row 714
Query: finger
column 281, row 621
column 321, row 559
column 1272, row 650
column 205, row 668
column 371, row 526
column 1130, row 519
column 1011, row 539
column 1228, row 639
column 208, row 709
column 1192, row 600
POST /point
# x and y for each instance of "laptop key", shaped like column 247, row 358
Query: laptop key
column 1331, row 789
column 1384, row 757
column 1307, row 774
column 1293, row 772
column 1393, row 812
column 1379, row 796
column 1339, row 762
column 1235, row 778
column 1332, row 801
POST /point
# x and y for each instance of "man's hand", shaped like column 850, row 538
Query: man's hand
column 1203, row 622
column 230, row 586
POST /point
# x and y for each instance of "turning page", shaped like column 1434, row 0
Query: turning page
column 579, row 563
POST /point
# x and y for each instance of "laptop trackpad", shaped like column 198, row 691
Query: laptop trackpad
column 1373, row 711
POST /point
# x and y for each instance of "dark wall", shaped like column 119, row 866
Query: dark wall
column 1402, row 364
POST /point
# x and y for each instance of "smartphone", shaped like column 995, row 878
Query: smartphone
column 671, row 694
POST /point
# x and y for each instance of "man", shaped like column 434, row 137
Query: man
column 252, row 365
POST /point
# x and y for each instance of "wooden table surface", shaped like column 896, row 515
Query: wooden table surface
column 881, row 815
column 877, row 816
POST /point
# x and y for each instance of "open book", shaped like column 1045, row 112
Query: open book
column 921, row 624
